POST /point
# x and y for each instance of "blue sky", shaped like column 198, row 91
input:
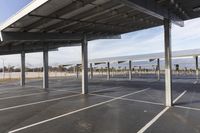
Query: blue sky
column 141, row 42
column 10, row 7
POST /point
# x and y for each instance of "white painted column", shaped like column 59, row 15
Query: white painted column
column 197, row 67
column 108, row 70
column 168, row 66
column 130, row 69
column 22, row 76
column 84, row 65
column 158, row 69
column 45, row 69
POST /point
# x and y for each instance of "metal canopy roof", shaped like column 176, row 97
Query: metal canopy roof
column 59, row 23
column 121, row 59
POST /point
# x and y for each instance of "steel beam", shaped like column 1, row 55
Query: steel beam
column 22, row 79
column 158, row 69
column 197, row 67
column 32, row 46
column 130, row 70
column 45, row 69
column 108, row 70
column 150, row 7
column 84, row 65
column 168, row 66
column 38, row 36
column 91, row 71
column 95, row 37
column 58, row 38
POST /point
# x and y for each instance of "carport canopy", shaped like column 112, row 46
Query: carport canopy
column 58, row 23
column 49, row 24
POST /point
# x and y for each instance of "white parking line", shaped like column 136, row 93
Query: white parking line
column 195, row 82
column 112, row 88
column 101, row 95
column 38, row 87
column 13, row 91
column 73, row 90
column 17, row 90
column 2, row 92
column 26, row 95
column 76, row 111
column 190, row 108
column 34, row 103
column 127, row 99
column 66, row 90
column 142, row 130
column 175, row 100
column 9, row 90
column 4, row 85
column 141, row 101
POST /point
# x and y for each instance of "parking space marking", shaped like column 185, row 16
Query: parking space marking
column 18, row 90
column 101, row 95
column 127, row 99
column 195, row 82
column 30, row 86
column 3, row 92
column 26, row 95
column 3, row 85
column 141, row 101
column 66, row 90
column 112, row 88
column 34, row 103
column 190, row 108
column 12, row 91
column 76, row 111
column 175, row 100
column 73, row 90
column 143, row 129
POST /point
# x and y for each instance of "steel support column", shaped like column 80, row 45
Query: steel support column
column 77, row 71
column 45, row 69
column 168, row 71
column 130, row 69
column 22, row 78
column 108, row 70
column 158, row 69
column 197, row 67
column 91, row 71
column 84, row 65
column 140, row 71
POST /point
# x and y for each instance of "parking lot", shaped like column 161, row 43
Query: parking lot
column 110, row 107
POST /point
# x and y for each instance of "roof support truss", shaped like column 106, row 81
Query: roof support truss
column 150, row 7
column 38, row 36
